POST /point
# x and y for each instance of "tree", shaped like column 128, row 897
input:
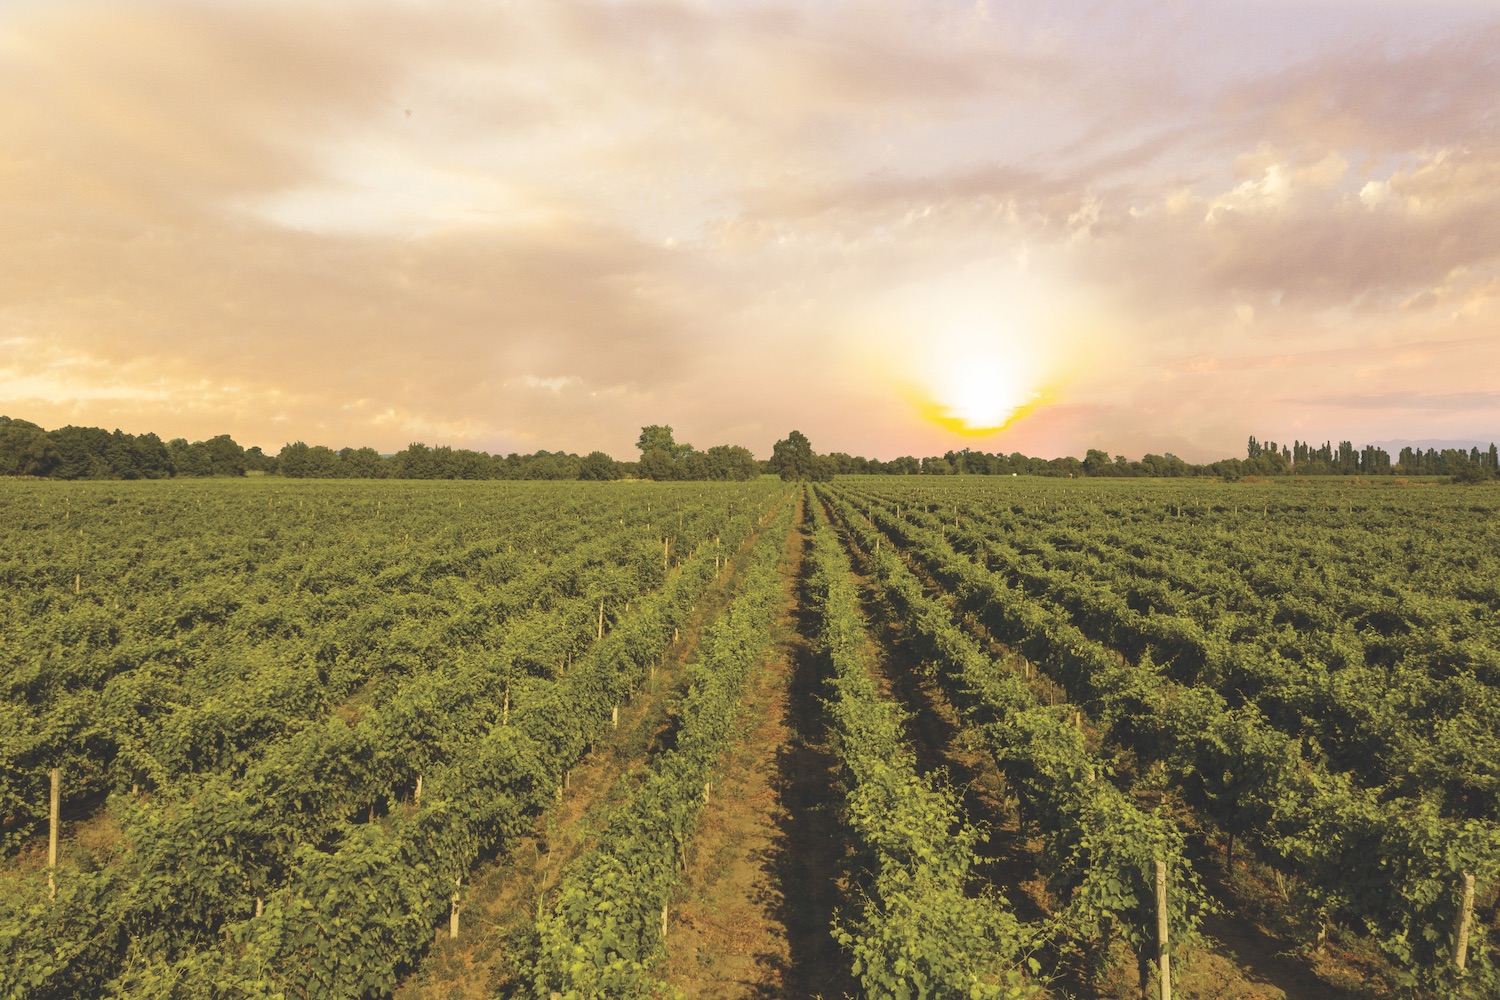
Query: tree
column 730, row 461
column 934, row 466
column 360, row 463
column 226, row 457
column 1097, row 463
column 25, row 449
column 793, row 460
column 1474, row 473
column 418, row 461
column 657, row 464
column 257, row 460
column 190, row 459
column 598, row 466
column 657, row 437
column 661, row 456
column 298, row 461
column 153, row 461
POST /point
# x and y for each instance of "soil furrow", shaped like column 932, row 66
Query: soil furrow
column 768, row 867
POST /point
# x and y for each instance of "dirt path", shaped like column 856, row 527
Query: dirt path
column 501, row 908
column 768, row 864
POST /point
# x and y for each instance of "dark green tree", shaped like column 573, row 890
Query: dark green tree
column 152, row 458
column 1097, row 463
column 657, row 437
column 731, row 462
column 792, row 459
column 661, row 456
column 25, row 449
column 596, row 465
column 298, row 461
column 257, row 460
column 225, row 455
column 932, row 465
column 418, row 461
column 193, row 460
column 360, row 463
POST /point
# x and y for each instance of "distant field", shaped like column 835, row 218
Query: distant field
column 299, row 724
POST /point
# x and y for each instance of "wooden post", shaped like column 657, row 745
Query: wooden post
column 52, row 830
column 664, row 921
column 77, row 583
column 505, row 713
column 260, row 906
column 601, row 618
column 417, row 798
column 1163, row 959
column 664, row 554
column 614, row 718
column 453, row 912
column 1465, row 915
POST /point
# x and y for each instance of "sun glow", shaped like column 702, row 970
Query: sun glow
column 978, row 398
column 977, row 352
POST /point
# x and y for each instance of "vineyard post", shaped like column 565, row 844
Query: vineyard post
column 601, row 618
column 664, row 921
column 505, row 712
column 52, row 830
column 1163, row 959
column 453, row 911
column 614, row 717
column 664, row 555
column 1465, row 915
column 417, row 798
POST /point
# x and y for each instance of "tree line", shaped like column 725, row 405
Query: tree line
column 1303, row 458
column 27, row 449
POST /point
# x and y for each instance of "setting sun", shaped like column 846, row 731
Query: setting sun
column 979, row 399
column 974, row 353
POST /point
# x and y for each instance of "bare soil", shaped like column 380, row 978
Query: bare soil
column 768, row 865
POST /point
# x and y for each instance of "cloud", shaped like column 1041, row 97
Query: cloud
column 1437, row 402
column 546, row 226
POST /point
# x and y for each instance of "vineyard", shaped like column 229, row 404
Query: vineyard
column 924, row 738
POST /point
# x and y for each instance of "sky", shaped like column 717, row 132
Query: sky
column 901, row 228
